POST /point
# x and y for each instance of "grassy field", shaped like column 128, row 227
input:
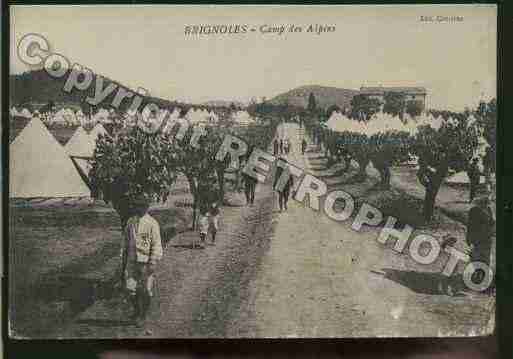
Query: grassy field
column 65, row 254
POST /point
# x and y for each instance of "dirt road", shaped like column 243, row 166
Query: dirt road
column 290, row 274
column 318, row 280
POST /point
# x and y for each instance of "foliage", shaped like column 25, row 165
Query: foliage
column 414, row 108
column 130, row 164
column 388, row 149
column 312, row 103
column 270, row 110
column 363, row 107
column 394, row 103
column 331, row 109
column 487, row 121
column 451, row 147
column 351, row 145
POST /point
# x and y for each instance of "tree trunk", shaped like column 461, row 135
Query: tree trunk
column 387, row 177
column 194, row 207
column 122, row 208
column 432, row 191
column 429, row 202
column 362, row 174
column 220, row 180
column 384, row 173
column 347, row 163
column 194, row 191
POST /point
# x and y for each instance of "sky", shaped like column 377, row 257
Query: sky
column 146, row 46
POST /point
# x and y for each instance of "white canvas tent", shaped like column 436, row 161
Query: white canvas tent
column 242, row 118
column 40, row 167
column 462, row 178
column 80, row 144
column 84, row 165
column 25, row 113
column 14, row 112
column 102, row 116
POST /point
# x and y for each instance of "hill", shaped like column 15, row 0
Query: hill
column 36, row 90
column 324, row 95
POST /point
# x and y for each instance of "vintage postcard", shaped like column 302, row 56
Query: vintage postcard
column 252, row 171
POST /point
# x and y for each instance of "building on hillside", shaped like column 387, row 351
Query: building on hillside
column 411, row 93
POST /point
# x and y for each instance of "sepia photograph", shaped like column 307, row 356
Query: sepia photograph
column 277, row 171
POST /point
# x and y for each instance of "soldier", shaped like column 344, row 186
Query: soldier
column 141, row 250
column 481, row 232
column 249, row 188
column 276, row 146
column 284, row 193
column 303, row 146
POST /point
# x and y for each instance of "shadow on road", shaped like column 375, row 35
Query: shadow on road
column 426, row 283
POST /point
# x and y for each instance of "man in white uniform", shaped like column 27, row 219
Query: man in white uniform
column 141, row 251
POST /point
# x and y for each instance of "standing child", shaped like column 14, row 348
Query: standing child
column 287, row 146
column 203, row 226
column 141, row 251
column 209, row 220
column 214, row 214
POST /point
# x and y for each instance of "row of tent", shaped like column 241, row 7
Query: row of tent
column 65, row 116
column 41, row 167
column 72, row 118
column 383, row 122
column 23, row 113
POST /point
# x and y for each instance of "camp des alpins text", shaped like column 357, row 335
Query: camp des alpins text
column 266, row 29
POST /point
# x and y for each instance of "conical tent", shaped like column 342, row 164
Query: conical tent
column 40, row 167
column 25, row 113
column 80, row 144
column 462, row 178
column 14, row 112
column 83, row 166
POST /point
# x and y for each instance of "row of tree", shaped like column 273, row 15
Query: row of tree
column 132, row 162
column 440, row 151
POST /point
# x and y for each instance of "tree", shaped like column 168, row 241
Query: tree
column 204, row 174
column 395, row 103
column 130, row 164
column 451, row 147
column 363, row 107
column 487, row 121
column 388, row 149
column 331, row 109
column 353, row 146
column 312, row 103
column 414, row 108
